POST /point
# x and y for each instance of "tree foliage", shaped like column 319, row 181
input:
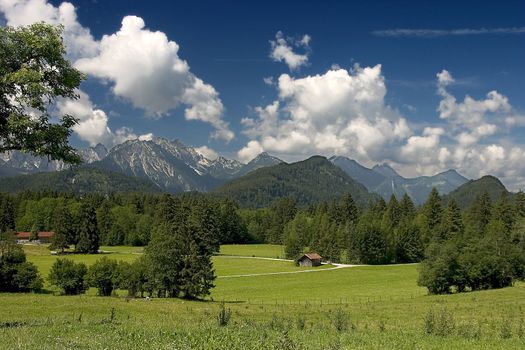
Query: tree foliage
column 34, row 72
column 68, row 276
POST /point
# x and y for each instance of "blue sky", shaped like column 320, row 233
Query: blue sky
column 389, row 113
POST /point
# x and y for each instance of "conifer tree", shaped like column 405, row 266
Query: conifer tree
column 407, row 246
column 104, row 221
column 504, row 212
column 349, row 209
column 296, row 232
column 88, row 234
column 480, row 212
column 7, row 213
column 520, row 203
column 392, row 214
column 377, row 208
column 451, row 224
column 432, row 213
column 407, row 208
column 62, row 227
column 232, row 229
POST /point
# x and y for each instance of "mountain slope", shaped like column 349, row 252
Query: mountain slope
column 77, row 180
column 261, row 161
column 385, row 181
column 312, row 180
column 169, row 165
column 368, row 177
column 467, row 193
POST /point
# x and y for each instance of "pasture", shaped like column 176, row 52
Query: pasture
column 365, row 307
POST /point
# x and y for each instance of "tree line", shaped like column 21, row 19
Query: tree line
column 480, row 247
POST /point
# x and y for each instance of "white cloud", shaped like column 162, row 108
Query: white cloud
column 344, row 113
column 143, row 65
column 433, row 33
column 207, row 152
column 268, row 80
column 282, row 50
column 250, row 151
column 146, row 70
column 78, row 40
column 338, row 112
column 93, row 123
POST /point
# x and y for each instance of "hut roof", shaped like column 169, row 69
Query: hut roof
column 311, row 256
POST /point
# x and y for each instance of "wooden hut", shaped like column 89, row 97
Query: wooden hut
column 310, row 260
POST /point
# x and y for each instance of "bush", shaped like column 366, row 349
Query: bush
column 441, row 323
column 340, row 320
column 27, row 278
column 224, row 315
column 16, row 274
column 68, row 276
column 103, row 275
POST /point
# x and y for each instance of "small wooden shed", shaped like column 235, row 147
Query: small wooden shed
column 310, row 260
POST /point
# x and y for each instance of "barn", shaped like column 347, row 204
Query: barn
column 310, row 260
column 43, row 236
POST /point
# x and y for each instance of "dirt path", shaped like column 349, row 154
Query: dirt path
column 336, row 267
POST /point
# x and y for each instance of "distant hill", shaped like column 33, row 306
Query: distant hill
column 78, row 180
column 309, row 181
column 467, row 193
column 385, row 181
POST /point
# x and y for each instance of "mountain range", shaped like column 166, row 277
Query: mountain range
column 385, row 181
column 171, row 166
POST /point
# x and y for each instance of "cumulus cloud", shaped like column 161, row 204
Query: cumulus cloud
column 344, row 112
column 207, row 152
column 474, row 139
column 78, row 40
column 93, row 123
column 282, row 50
column 339, row 112
column 143, row 66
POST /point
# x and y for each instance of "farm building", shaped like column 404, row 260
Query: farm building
column 310, row 260
column 43, row 236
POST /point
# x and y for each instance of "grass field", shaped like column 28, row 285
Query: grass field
column 261, row 250
column 367, row 307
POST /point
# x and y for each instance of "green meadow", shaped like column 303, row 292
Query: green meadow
column 365, row 307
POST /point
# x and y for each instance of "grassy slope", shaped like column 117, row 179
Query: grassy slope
column 383, row 304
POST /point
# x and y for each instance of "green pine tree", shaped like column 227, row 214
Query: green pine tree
column 104, row 221
column 88, row 233
column 480, row 213
column 432, row 213
column 451, row 224
column 349, row 209
column 407, row 208
column 519, row 200
column 62, row 227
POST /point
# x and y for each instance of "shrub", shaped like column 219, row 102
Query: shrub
column 441, row 323
column 16, row 274
column 103, row 275
column 340, row 320
column 68, row 276
column 224, row 315
column 27, row 278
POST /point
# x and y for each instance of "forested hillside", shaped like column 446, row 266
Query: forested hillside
column 310, row 181
column 466, row 194
column 78, row 180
